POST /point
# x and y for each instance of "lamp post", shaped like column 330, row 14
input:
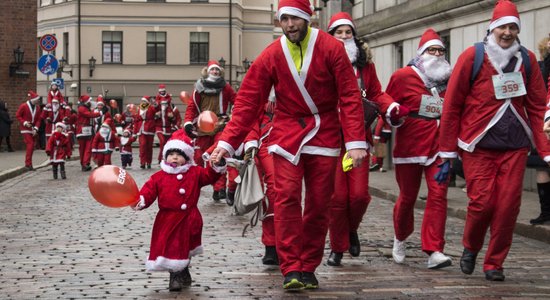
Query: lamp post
column 91, row 65
column 18, row 56
column 246, row 66
column 62, row 64
column 222, row 62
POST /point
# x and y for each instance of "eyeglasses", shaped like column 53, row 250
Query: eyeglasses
column 432, row 50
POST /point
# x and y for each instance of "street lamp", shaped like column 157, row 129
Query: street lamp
column 18, row 56
column 246, row 66
column 91, row 65
column 62, row 64
column 222, row 62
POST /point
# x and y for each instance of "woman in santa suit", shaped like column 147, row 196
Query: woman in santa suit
column 351, row 191
column 492, row 127
column 55, row 93
column 144, row 127
column 420, row 86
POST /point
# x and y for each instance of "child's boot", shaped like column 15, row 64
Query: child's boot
column 62, row 171
column 54, row 170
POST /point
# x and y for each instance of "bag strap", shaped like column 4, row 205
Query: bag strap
column 526, row 62
column 479, row 56
column 254, row 219
column 363, row 90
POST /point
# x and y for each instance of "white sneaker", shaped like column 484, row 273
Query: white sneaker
column 398, row 252
column 438, row 260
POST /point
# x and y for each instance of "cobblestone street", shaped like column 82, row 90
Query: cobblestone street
column 59, row 243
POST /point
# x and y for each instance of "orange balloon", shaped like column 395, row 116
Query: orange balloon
column 133, row 108
column 113, row 103
column 207, row 121
column 113, row 187
column 184, row 97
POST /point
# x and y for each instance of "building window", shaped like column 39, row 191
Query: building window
column 199, row 44
column 156, row 0
column 194, row 1
column 446, row 39
column 112, row 47
column 66, row 45
column 156, row 47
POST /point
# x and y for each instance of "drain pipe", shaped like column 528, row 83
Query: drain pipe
column 79, row 53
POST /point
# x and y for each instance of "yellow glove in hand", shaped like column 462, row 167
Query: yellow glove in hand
column 347, row 163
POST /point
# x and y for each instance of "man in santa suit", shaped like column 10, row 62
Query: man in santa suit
column 420, row 86
column 52, row 114
column 104, row 143
column 351, row 187
column 55, row 93
column 211, row 93
column 144, row 128
column 85, row 130
column 69, row 120
column 164, row 123
column 105, row 113
column 29, row 119
column 313, row 112
column 492, row 127
column 162, row 95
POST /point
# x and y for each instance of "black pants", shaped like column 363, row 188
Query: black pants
column 8, row 142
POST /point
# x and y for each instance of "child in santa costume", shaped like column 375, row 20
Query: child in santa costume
column 492, row 127
column 55, row 93
column 126, row 153
column 177, row 230
column 58, row 149
column 104, row 143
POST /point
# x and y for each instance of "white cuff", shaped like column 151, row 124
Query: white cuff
column 250, row 144
column 443, row 154
column 227, row 147
column 356, row 145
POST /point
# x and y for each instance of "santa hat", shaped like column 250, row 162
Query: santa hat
column 85, row 98
column 298, row 8
column 341, row 18
column 31, row 96
column 128, row 129
column 181, row 142
column 213, row 64
column 505, row 12
column 100, row 100
column 55, row 100
column 145, row 99
column 60, row 124
column 429, row 38
column 162, row 88
column 107, row 123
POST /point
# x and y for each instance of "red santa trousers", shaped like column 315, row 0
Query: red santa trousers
column 409, row 178
column 264, row 162
column 348, row 204
column 494, row 180
column 203, row 143
column 103, row 159
column 162, row 141
column 300, row 239
column 145, row 149
column 85, row 150
column 29, row 140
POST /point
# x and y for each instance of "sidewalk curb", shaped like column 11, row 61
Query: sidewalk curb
column 539, row 233
column 14, row 172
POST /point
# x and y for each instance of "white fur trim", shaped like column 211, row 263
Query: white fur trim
column 219, row 169
column 174, row 265
column 177, row 170
column 293, row 11
column 434, row 42
column 388, row 115
column 341, row 22
column 448, row 154
column 227, row 147
column 181, row 145
column 250, row 144
column 213, row 66
column 356, row 145
column 503, row 21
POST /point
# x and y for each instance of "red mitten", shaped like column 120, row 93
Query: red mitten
column 396, row 116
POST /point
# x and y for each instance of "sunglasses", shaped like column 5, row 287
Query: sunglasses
column 432, row 50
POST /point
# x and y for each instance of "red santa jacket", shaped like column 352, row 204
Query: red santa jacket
column 226, row 97
column 126, row 144
column 104, row 144
column 55, row 95
column 52, row 117
column 470, row 111
column 105, row 114
column 85, row 122
column 307, row 114
column 259, row 135
column 70, row 120
column 416, row 140
column 165, row 120
column 144, row 121
column 27, row 115
column 58, row 147
column 159, row 98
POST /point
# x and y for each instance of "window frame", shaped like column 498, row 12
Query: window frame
column 156, row 44
column 201, row 59
column 112, row 42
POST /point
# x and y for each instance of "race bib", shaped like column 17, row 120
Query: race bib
column 430, row 107
column 86, row 130
column 508, row 85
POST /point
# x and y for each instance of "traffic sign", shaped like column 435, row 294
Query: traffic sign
column 48, row 42
column 48, row 64
column 59, row 82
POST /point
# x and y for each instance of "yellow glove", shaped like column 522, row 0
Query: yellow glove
column 347, row 163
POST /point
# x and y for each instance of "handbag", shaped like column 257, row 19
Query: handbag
column 249, row 193
column 371, row 110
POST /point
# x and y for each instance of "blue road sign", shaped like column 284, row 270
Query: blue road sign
column 48, row 64
column 48, row 42
column 59, row 82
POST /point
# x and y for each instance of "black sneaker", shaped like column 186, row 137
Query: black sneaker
column 374, row 167
column 230, row 200
column 216, row 196
column 185, row 277
column 335, row 259
column 142, row 167
column 223, row 195
column 86, row 168
column 175, row 283
column 468, row 261
column 148, row 166
column 270, row 258
column 494, row 275
column 541, row 219
column 354, row 244
column 293, row 281
column 310, row 281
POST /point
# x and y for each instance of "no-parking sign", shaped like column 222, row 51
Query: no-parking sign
column 48, row 42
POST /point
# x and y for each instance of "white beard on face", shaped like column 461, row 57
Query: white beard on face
column 498, row 55
column 436, row 68
column 55, row 107
column 351, row 49
column 104, row 132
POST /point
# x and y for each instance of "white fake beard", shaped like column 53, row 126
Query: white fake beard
column 104, row 132
column 55, row 107
column 436, row 68
column 351, row 49
column 498, row 55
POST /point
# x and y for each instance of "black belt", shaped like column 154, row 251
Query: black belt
column 417, row 116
